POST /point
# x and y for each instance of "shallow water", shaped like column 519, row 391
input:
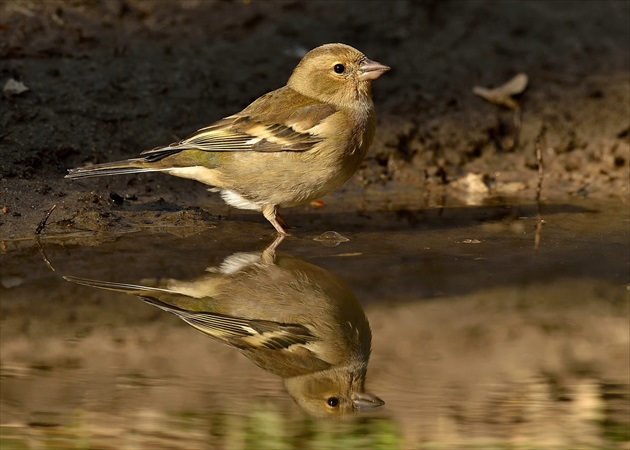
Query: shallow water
column 488, row 331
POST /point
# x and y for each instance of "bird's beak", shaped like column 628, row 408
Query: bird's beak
column 371, row 70
column 365, row 400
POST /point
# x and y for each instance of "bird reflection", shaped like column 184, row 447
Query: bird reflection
column 289, row 317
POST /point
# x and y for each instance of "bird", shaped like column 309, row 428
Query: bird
column 289, row 317
column 289, row 147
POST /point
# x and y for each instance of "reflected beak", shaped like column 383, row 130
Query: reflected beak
column 371, row 70
column 365, row 400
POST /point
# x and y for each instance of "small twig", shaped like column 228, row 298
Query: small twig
column 38, row 232
column 538, row 234
column 541, row 174
column 43, row 253
column 42, row 224
column 541, row 167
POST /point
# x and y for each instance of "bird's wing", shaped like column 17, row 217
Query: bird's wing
column 244, row 133
column 240, row 332
column 289, row 131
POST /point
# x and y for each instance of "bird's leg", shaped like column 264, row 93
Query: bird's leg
column 270, row 213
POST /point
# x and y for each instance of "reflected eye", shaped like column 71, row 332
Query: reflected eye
column 339, row 68
column 333, row 402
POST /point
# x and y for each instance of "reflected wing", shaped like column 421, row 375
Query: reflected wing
column 239, row 332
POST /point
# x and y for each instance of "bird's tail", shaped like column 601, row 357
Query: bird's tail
column 134, row 165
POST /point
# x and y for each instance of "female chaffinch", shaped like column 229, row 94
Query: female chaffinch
column 290, row 146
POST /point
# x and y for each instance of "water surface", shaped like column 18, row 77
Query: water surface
column 488, row 330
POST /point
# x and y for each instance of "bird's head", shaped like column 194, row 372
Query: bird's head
column 337, row 74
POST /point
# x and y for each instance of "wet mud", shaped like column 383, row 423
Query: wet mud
column 108, row 79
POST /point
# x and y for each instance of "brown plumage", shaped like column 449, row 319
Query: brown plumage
column 288, row 147
column 289, row 317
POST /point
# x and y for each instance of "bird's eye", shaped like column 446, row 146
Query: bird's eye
column 339, row 68
column 333, row 402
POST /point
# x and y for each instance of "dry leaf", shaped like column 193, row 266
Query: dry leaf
column 502, row 95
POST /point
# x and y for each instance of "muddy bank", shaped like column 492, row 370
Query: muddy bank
column 107, row 79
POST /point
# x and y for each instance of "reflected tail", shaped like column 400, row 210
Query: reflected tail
column 133, row 289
